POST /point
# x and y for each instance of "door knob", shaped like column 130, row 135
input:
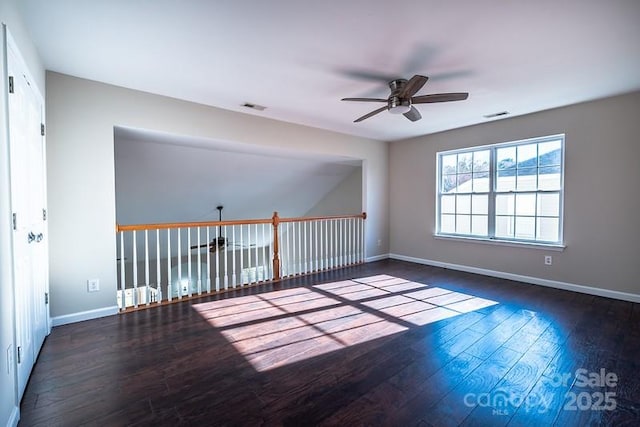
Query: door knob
column 39, row 237
column 31, row 237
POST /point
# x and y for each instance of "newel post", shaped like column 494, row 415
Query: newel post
column 276, row 256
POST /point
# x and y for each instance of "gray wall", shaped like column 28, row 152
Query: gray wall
column 81, row 118
column 10, row 17
column 344, row 199
column 601, row 202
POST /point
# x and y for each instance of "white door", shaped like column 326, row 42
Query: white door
column 28, row 198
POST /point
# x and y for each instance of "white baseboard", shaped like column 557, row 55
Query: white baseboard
column 84, row 315
column 376, row 258
column 14, row 417
column 625, row 296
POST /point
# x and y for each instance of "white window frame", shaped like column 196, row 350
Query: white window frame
column 491, row 234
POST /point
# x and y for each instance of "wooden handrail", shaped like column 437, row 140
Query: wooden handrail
column 319, row 218
column 163, row 226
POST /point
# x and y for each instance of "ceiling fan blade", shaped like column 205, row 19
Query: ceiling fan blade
column 364, row 99
column 373, row 113
column 413, row 114
column 367, row 75
column 201, row 246
column 439, row 97
column 413, row 86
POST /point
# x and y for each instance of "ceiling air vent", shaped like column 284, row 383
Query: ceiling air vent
column 491, row 116
column 254, row 106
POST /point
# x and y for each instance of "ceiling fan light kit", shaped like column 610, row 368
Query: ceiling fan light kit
column 402, row 98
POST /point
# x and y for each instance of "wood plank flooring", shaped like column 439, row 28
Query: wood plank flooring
column 387, row 343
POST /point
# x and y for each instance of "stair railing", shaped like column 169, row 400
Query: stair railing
column 160, row 263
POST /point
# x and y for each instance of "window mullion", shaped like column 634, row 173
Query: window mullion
column 491, row 226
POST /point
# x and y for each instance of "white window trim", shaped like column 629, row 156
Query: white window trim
column 500, row 242
column 558, row 246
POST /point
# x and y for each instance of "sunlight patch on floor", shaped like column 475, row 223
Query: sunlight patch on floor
column 282, row 327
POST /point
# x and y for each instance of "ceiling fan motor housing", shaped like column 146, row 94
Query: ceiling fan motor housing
column 395, row 104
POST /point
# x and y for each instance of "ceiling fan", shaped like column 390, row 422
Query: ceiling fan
column 216, row 243
column 402, row 98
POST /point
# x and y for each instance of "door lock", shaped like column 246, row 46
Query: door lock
column 33, row 237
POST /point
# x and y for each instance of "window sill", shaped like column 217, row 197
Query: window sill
column 497, row 242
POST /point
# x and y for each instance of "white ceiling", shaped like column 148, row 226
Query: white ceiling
column 299, row 58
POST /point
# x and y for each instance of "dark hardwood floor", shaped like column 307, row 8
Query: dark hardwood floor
column 385, row 343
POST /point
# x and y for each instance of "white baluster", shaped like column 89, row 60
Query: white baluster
column 248, row 253
column 329, row 244
column 354, row 243
column 179, row 263
column 284, row 250
column 357, row 240
column 362, row 249
column 234, row 278
column 158, row 275
column 264, row 253
column 321, row 239
column 347, row 241
column 241, row 256
column 316, row 238
column 169, row 284
column 217, row 254
column 255, row 251
column 123, row 302
column 350, row 240
column 146, row 266
column 299, row 247
column 306, row 255
column 199, row 260
column 291, row 249
column 343, row 231
column 294, row 270
column 208, row 252
column 226, row 263
column 135, row 270
column 334, row 242
column 339, row 232
column 337, row 242
column 189, row 261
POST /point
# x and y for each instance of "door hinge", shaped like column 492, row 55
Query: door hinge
column 46, row 298
column 44, row 214
column 10, row 84
column 42, row 129
column 15, row 221
column 19, row 353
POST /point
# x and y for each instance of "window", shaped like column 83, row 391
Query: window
column 510, row 191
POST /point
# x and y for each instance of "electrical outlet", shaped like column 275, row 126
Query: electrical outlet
column 93, row 285
column 379, row 243
column 548, row 260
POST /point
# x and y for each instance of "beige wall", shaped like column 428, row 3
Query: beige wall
column 81, row 117
column 601, row 202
